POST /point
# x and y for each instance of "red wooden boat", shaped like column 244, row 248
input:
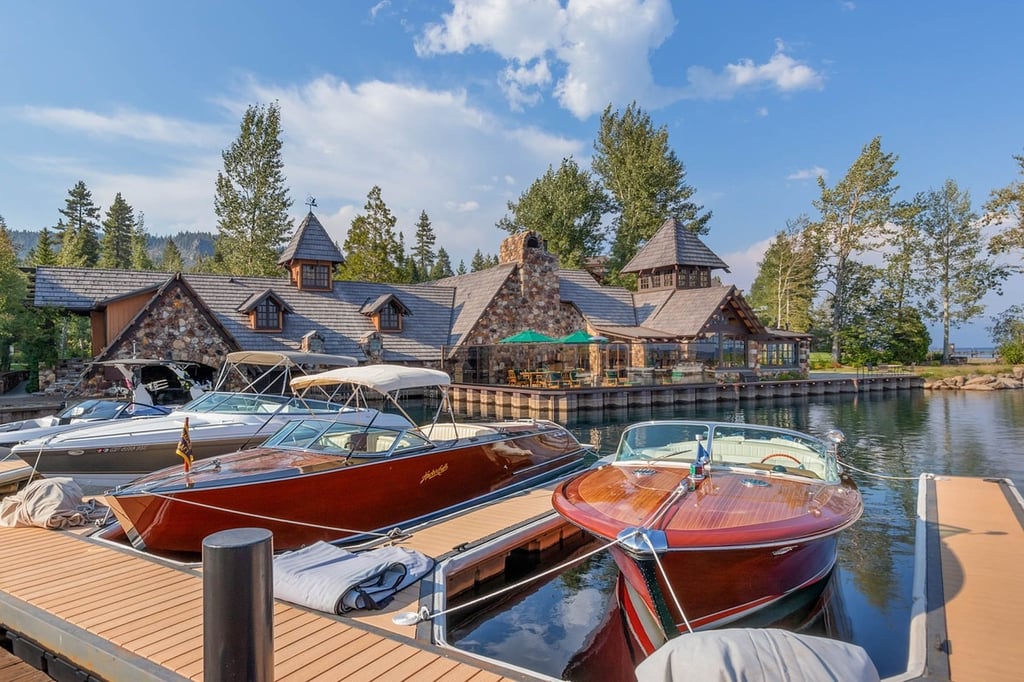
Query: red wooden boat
column 346, row 477
column 711, row 521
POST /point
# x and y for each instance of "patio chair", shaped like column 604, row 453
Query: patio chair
column 612, row 378
column 513, row 378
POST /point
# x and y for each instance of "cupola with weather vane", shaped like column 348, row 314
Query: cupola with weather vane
column 311, row 256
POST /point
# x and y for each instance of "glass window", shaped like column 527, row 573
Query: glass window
column 778, row 355
column 315, row 277
column 268, row 315
column 390, row 318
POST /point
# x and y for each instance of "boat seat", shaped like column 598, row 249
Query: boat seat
column 452, row 431
column 750, row 453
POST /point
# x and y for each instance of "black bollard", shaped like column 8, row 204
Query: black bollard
column 238, row 606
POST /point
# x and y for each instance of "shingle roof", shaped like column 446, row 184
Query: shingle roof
column 474, row 291
column 686, row 311
column 335, row 314
column 311, row 242
column 600, row 305
column 672, row 245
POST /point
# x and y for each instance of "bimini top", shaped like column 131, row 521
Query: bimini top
column 381, row 378
column 288, row 358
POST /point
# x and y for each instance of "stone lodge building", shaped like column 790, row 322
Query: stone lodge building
column 679, row 316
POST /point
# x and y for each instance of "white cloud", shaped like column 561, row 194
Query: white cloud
column 743, row 265
column 380, row 6
column 124, row 123
column 601, row 45
column 812, row 173
column 781, row 73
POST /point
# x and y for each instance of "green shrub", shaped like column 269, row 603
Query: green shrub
column 820, row 360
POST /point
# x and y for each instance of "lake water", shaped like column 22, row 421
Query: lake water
column 553, row 626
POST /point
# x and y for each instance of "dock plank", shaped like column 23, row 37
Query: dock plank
column 982, row 553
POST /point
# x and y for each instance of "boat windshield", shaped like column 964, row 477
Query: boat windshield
column 254, row 403
column 108, row 409
column 729, row 444
column 342, row 438
column 662, row 440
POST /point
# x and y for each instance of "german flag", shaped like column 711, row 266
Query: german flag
column 184, row 449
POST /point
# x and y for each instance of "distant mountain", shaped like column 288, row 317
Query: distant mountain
column 191, row 244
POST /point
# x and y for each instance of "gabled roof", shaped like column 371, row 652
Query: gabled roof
column 673, row 245
column 377, row 304
column 335, row 314
column 473, row 292
column 311, row 242
column 687, row 312
column 600, row 305
column 254, row 300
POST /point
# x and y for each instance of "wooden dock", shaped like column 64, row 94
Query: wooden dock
column 75, row 603
column 84, row 604
column 968, row 593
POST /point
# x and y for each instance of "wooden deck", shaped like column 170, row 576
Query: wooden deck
column 123, row 615
column 969, row 594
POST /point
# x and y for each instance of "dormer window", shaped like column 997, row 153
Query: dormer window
column 266, row 311
column 315, row 276
column 268, row 316
column 387, row 313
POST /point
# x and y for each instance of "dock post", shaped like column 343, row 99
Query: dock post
column 238, row 606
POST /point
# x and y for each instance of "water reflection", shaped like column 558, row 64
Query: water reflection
column 552, row 628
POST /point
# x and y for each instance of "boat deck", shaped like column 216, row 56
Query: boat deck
column 120, row 614
column 975, row 595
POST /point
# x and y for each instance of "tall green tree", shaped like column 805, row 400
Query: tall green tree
column 645, row 180
column 853, row 219
column 783, row 292
column 566, row 207
column 45, row 250
column 252, row 201
column 116, row 247
column 140, row 259
column 374, row 251
column 13, row 291
column 172, row 260
column 423, row 249
column 959, row 274
column 78, row 229
column 442, row 265
column 902, row 276
column 1005, row 207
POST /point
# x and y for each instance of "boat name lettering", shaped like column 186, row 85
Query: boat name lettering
column 433, row 473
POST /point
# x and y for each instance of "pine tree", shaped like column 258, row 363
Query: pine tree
column 116, row 248
column 423, row 251
column 442, row 265
column 644, row 179
column 374, row 251
column 479, row 262
column 252, row 201
column 140, row 259
column 172, row 261
column 461, row 270
column 80, row 246
column 13, row 290
column 44, row 252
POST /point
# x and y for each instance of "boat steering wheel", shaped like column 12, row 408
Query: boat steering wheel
column 783, row 454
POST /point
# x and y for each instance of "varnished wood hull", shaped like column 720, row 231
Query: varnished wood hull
column 723, row 551
column 303, row 496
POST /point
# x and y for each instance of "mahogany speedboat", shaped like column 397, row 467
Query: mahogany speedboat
column 712, row 521
column 346, row 477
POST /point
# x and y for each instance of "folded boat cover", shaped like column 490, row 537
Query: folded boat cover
column 735, row 654
column 49, row 503
column 335, row 580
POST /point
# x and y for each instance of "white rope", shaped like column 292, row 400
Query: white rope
column 425, row 614
column 888, row 478
column 263, row 517
column 668, row 583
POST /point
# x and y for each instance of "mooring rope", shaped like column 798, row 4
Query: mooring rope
column 668, row 583
column 883, row 476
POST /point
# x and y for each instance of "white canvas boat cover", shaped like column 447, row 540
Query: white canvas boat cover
column 288, row 358
column 381, row 378
column 735, row 654
column 49, row 503
column 335, row 580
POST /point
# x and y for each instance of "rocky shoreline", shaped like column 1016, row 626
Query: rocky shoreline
column 980, row 382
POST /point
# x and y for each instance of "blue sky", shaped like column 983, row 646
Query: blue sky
column 455, row 108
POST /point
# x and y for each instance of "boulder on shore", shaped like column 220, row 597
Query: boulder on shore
column 980, row 382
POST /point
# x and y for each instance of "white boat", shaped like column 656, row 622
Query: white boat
column 220, row 421
column 151, row 388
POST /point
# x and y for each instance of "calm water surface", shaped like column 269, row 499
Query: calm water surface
column 553, row 627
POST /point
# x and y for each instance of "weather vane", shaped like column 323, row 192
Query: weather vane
column 310, row 201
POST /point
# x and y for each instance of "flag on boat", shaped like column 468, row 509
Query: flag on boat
column 703, row 456
column 184, row 449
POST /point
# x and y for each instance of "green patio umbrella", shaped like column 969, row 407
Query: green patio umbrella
column 578, row 336
column 529, row 336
